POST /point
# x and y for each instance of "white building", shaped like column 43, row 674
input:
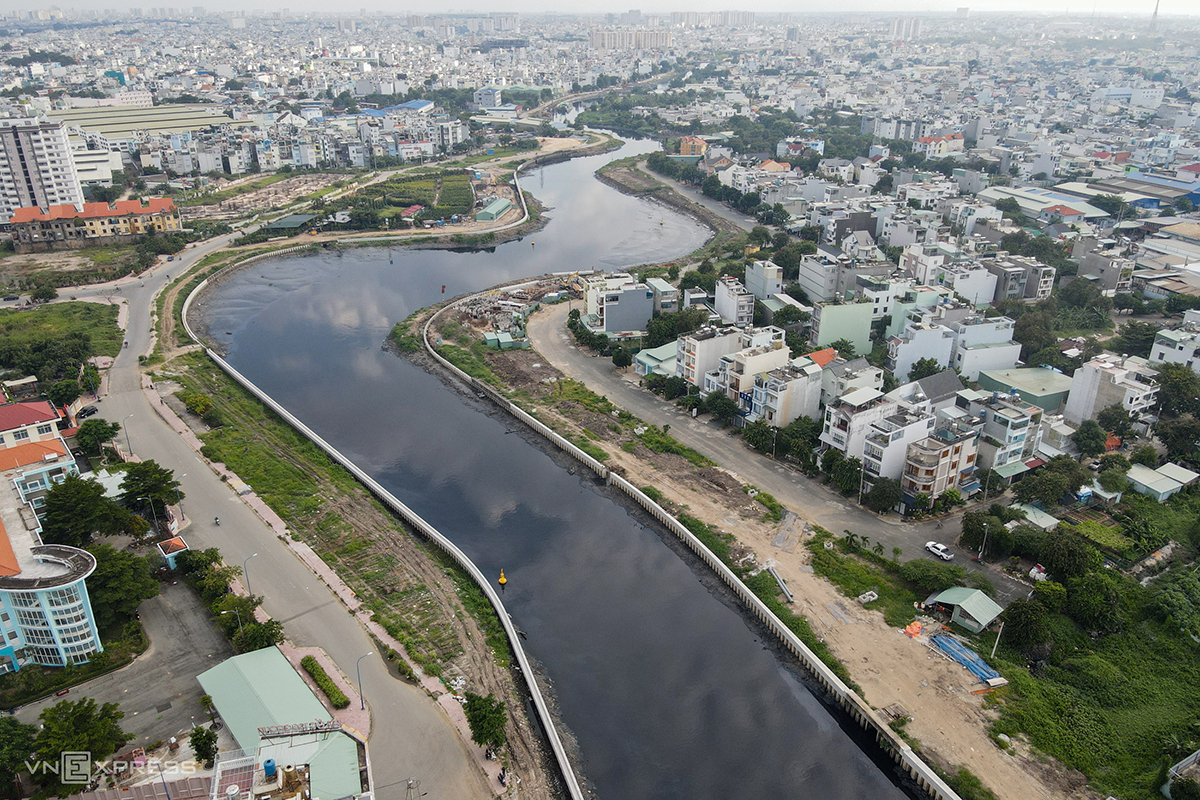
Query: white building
column 848, row 420
column 764, row 279
column 783, row 395
column 1107, row 380
column 36, row 168
column 699, row 352
column 983, row 343
column 886, row 445
column 734, row 375
column 842, row 376
column 1177, row 346
column 733, row 302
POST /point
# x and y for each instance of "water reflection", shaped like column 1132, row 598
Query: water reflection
column 669, row 691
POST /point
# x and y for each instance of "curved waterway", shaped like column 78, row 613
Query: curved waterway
column 668, row 689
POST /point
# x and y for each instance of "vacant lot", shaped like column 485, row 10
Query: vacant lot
column 42, row 323
column 67, row 267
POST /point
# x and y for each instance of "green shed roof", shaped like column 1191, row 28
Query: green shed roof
column 258, row 689
column 982, row 608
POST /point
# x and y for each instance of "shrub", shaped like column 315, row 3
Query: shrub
column 337, row 698
column 932, row 576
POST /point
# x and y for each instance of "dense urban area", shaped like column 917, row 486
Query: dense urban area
column 925, row 399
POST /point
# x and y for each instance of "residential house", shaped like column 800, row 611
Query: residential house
column 1109, row 380
column 832, row 322
column 787, row 393
column 764, row 279
column 842, row 376
column 983, row 343
column 946, row 459
column 1178, row 346
column 733, row 302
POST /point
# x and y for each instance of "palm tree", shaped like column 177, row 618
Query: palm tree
column 878, row 548
column 866, row 541
column 896, row 553
column 851, row 540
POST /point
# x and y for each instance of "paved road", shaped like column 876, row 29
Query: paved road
column 411, row 736
column 158, row 692
column 811, row 499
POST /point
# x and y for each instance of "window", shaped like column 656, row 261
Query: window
column 21, row 435
column 43, row 429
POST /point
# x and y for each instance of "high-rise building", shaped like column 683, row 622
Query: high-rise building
column 36, row 168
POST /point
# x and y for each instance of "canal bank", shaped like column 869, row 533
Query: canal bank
column 669, row 691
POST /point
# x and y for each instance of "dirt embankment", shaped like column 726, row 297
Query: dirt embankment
column 949, row 720
column 632, row 181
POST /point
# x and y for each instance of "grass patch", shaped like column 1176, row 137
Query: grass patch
column 567, row 390
column 855, row 575
column 54, row 321
column 472, row 360
column 593, row 450
column 774, row 508
column 660, row 442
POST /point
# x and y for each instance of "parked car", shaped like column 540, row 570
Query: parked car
column 10, row 297
column 939, row 550
column 87, row 411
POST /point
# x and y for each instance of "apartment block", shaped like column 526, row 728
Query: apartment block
column 666, row 296
column 886, row 445
column 1109, row 380
column 848, row 420
column 842, row 376
column 698, row 353
column 983, row 343
column 764, row 279
column 1009, row 429
column 918, row 340
column 833, row 321
column 36, row 168
column 733, row 302
column 946, row 459
column 734, row 375
column 1018, row 277
column 91, row 223
column 783, row 395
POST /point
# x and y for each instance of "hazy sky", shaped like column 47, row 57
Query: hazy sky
column 1082, row 7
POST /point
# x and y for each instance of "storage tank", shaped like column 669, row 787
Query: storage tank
column 269, row 768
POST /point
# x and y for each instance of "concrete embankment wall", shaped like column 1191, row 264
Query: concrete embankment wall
column 858, row 709
column 570, row 780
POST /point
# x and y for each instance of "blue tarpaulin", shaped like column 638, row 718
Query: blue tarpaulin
column 967, row 657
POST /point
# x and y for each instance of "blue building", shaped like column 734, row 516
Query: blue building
column 45, row 614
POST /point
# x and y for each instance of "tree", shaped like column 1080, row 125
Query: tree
column 923, row 368
column 1185, row 788
column 77, row 726
column 1067, row 555
column 845, row 348
column 932, row 576
column 1026, row 625
column 979, row 529
column 257, row 635
column 621, row 358
column 1043, row 486
column 63, row 393
column 1135, row 338
column 1145, row 455
column 1116, row 420
column 1094, row 599
column 16, row 747
column 93, row 434
column 1050, row 595
column 76, row 510
column 1080, row 293
column 1090, row 438
column 119, row 584
column 204, row 745
column 1112, row 204
column 1035, row 331
column 1113, row 480
column 789, row 315
column 1181, row 437
column 43, row 294
column 885, row 494
column 847, row 475
column 487, row 718
column 830, row 459
column 721, row 407
column 761, row 436
column 146, row 481
column 1178, row 390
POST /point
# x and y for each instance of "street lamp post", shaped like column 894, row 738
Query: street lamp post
column 153, row 513
column 358, row 669
column 128, row 446
column 239, row 616
column 178, row 501
column 246, row 575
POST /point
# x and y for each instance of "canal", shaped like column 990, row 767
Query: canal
column 668, row 689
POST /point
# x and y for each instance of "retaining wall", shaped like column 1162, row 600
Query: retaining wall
column 858, row 709
column 415, row 520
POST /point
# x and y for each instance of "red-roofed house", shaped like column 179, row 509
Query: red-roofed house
column 1189, row 173
column 1060, row 213
column 21, row 423
column 939, row 146
column 34, row 228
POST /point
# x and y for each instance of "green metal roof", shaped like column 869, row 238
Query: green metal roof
column 1012, row 468
column 258, row 689
column 978, row 605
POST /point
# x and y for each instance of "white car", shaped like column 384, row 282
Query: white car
column 939, row 550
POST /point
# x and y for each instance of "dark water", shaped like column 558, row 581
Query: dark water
column 669, row 691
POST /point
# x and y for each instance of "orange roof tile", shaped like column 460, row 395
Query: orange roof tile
column 173, row 545
column 25, row 454
column 822, row 357
column 121, row 208
column 8, row 559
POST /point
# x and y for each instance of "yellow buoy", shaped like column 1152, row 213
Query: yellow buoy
column 503, row 580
